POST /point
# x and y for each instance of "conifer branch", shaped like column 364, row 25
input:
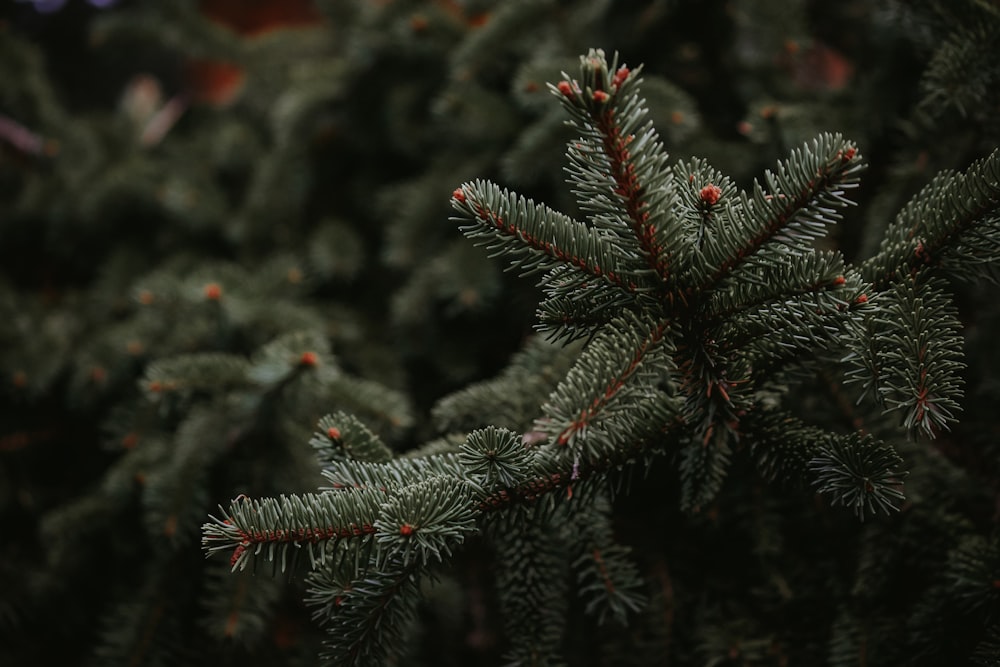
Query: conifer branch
column 812, row 317
column 573, row 310
column 566, row 319
column 609, row 579
column 704, row 464
column 371, row 615
column 536, row 237
column 582, row 398
column 495, row 458
column 343, row 436
column 822, row 273
column 557, row 468
column 707, row 319
column 619, row 166
column 782, row 444
column 955, row 76
column 416, row 508
column 800, row 199
column 609, row 582
column 860, row 473
column 533, row 600
column 911, row 359
column 857, row 471
column 425, row 521
column 704, row 210
column 710, row 382
column 395, row 473
column 953, row 222
column 270, row 526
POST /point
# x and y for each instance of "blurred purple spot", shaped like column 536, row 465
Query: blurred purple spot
column 48, row 6
column 52, row 6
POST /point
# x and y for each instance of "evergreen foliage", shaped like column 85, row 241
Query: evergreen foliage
column 754, row 423
column 689, row 315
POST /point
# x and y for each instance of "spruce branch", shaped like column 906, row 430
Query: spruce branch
column 910, row 359
column 624, row 359
column 955, row 76
column 821, row 277
column 343, row 436
column 393, row 474
column 703, row 467
column 789, row 312
column 858, row 472
column 714, row 385
column 327, row 586
column 425, row 521
column 609, row 581
column 794, row 206
column 782, row 445
column 703, row 211
column 536, row 237
column 952, row 223
column 495, row 458
column 572, row 317
column 557, row 468
column 371, row 615
column 618, row 166
column 532, row 590
column 416, row 508
column 732, row 291
column 271, row 526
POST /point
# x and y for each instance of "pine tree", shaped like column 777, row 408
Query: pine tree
column 702, row 308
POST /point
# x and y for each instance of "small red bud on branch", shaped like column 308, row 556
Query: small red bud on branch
column 710, row 194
